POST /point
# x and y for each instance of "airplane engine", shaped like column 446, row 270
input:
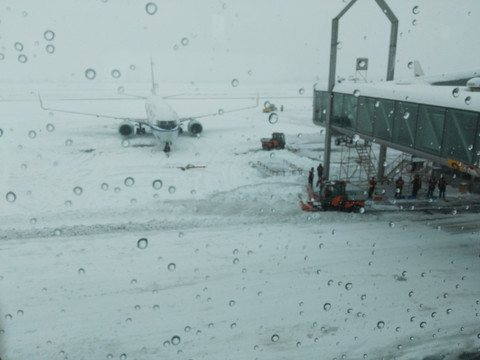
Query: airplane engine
column 195, row 127
column 126, row 129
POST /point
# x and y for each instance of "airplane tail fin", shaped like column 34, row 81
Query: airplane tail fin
column 417, row 69
column 154, row 88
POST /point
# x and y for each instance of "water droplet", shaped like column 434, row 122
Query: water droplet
column 11, row 197
column 231, row 303
column 301, row 91
column 185, row 41
column 142, row 243
column 77, row 190
column 18, row 46
column 90, row 74
column 22, row 58
column 151, row 8
column 423, row 324
column 406, row 115
column 50, row 49
column 32, row 134
column 235, row 82
column 449, row 311
column 49, row 35
column 414, row 22
column 2, row 56
column 380, row 325
column 125, row 143
column 104, row 186
column 327, row 306
column 172, row 189
column 129, row 181
column 175, row 340
column 69, row 142
column 348, row 286
column 1, row 132
column 50, row 127
column 356, row 93
column 468, row 100
column 275, row 338
column 171, row 267
column 81, row 271
column 415, row 10
column 220, row 112
column 116, row 73
column 355, row 138
column 456, row 92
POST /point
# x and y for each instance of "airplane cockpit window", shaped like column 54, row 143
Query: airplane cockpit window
column 157, row 198
column 167, row 125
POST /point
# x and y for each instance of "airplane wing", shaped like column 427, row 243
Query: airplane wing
column 221, row 112
column 137, row 120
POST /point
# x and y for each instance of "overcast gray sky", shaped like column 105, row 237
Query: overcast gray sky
column 218, row 40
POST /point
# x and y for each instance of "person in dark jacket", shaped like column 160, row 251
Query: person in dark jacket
column 310, row 177
column 371, row 186
column 399, row 187
column 417, row 185
column 431, row 186
column 442, row 186
column 319, row 173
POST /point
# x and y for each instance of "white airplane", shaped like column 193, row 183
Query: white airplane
column 469, row 78
column 162, row 120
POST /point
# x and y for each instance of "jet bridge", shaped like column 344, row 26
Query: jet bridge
column 438, row 123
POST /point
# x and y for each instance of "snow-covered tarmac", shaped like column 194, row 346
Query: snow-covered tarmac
column 99, row 260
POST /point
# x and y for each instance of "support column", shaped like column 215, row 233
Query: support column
column 382, row 157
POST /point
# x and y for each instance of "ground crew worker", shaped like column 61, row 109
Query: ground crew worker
column 371, row 186
column 442, row 186
column 320, row 174
column 431, row 186
column 310, row 178
column 417, row 185
column 399, row 187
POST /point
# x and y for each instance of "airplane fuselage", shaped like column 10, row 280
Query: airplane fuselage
column 162, row 119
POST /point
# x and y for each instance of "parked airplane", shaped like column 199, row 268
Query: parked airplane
column 469, row 78
column 161, row 119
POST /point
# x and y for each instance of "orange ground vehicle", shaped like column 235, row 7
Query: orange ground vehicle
column 277, row 141
column 334, row 196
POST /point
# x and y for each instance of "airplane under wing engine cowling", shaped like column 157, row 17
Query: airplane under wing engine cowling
column 126, row 129
column 195, row 127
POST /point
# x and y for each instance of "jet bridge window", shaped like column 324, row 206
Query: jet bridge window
column 430, row 129
column 320, row 107
column 405, row 123
column 350, row 104
column 384, row 115
column 459, row 136
column 365, row 115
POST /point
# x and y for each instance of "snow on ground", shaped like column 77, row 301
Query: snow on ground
column 102, row 261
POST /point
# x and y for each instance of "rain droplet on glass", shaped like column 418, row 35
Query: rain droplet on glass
column 157, row 184
column 456, row 92
column 151, row 8
column 77, row 190
column 273, row 118
column 415, row 10
column 22, row 58
column 172, row 189
column 142, row 243
column 90, row 74
column 11, row 197
column 116, row 73
column 235, row 82
column 185, row 41
column 49, row 35
column 129, row 181
column 50, row 49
